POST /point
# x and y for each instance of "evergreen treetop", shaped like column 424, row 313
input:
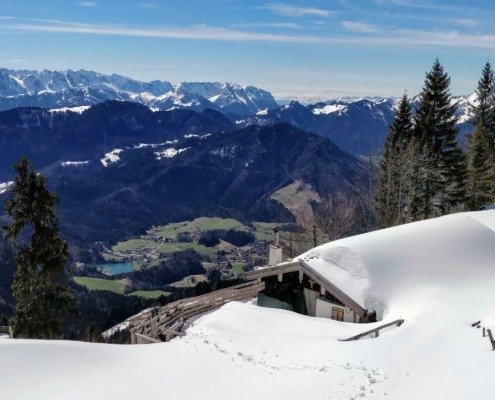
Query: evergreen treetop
column 444, row 174
column 485, row 100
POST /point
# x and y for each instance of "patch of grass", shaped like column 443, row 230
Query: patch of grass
column 296, row 197
column 264, row 230
column 170, row 231
column 111, row 258
column 149, row 294
column 137, row 265
column 189, row 281
column 134, row 244
column 156, row 263
column 208, row 265
column 116, row 286
column 237, row 268
column 167, row 248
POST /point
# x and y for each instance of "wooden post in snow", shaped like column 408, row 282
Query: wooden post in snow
column 491, row 338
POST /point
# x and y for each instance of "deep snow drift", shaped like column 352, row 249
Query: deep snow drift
column 439, row 275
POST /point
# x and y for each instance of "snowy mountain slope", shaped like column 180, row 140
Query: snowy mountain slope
column 57, row 89
column 438, row 275
column 356, row 124
column 359, row 127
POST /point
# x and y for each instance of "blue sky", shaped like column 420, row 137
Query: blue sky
column 319, row 49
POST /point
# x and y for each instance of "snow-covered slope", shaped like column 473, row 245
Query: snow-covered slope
column 59, row 89
column 438, row 275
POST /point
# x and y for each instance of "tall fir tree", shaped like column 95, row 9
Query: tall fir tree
column 481, row 144
column 482, row 112
column 43, row 300
column 396, row 185
column 480, row 182
column 444, row 168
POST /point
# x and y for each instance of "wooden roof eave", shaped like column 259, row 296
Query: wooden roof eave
column 271, row 271
column 332, row 289
column 301, row 265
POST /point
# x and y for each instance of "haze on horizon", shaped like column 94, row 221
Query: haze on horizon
column 304, row 49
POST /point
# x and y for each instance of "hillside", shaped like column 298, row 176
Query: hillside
column 437, row 275
column 229, row 174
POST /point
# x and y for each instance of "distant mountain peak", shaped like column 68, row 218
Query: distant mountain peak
column 69, row 88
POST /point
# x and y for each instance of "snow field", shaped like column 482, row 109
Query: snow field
column 438, row 275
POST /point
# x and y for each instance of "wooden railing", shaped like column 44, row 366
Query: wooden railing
column 166, row 322
column 376, row 331
column 142, row 339
column 486, row 333
column 8, row 330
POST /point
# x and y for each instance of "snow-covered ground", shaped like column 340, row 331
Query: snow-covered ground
column 74, row 163
column 438, row 275
column 111, row 157
column 78, row 110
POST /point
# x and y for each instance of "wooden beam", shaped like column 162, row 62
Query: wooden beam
column 272, row 271
column 376, row 331
column 143, row 339
column 491, row 338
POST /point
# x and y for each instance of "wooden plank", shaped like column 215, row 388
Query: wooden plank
column 143, row 339
column 334, row 290
column 174, row 333
column 376, row 331
column 269, row 271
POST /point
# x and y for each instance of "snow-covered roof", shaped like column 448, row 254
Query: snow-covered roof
column 378, row 268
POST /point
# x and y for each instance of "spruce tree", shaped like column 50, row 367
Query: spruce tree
column 444, row 173
column 43, row 300
column 398, row 170
column 479, row 171
column 481, row 157
column 482, row 112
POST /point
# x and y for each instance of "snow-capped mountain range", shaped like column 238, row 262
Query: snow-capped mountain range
column 57, row 89
column 356, row 124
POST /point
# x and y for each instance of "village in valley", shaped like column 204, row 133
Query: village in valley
column 207, row 236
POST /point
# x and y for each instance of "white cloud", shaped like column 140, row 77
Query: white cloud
column 419, row 5
column 293, row 11
column 17, row 60
column 360, row 27
column 5, row 17
column 397, row 37
column 470, row 23
column 282, row 25
column 87, row 3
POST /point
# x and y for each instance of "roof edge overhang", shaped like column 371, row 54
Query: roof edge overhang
column 301, row 265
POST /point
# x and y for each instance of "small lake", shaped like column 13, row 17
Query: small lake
column 114, row 269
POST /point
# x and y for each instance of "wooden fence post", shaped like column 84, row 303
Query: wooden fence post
column 491, row 338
